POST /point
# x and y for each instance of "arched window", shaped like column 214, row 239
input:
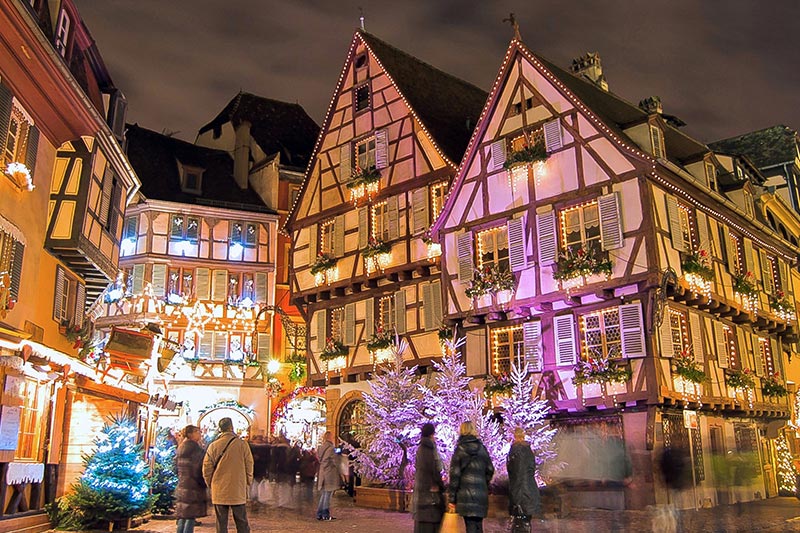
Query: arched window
column 351, row 423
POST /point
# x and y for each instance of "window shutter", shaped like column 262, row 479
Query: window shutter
column 758, row 355
column 206, row 345
column 363, row 227
column 632, row 330
column 322, row 329
column 427, row 306
column 723, row 356
column 436, row 297
column 564, row 327
column 552, row 135
column 313, row 240
column 105, row 199
column 731, row 252
column 655, row 139
column 338, row 236
column 517, row 258
column 400, row 312
column 220, row 344
column 350, row 324
column 131, row 228
column 675, row 225
column 344, row 164
column 419, row 210
column 547, row 238
column 776, row 355
column 393, row 217
column 665, row 336
column 80, row 305
column 464, row 250
column 159, row 280
column 703, row 233
column 264, row 347
column 219, row 285
column 381, row 149
column 610, row 221
column 6, row 105
column 32, row 148
column 532, row 339
column 16, row 269
column 369, row 318
column 785, row 278
column 261, row 287
column 202, row 284
column 695, row 324
column 749, row 260
column 498, row 153
column 59, row 294
column 766, row 272
column 138, row 279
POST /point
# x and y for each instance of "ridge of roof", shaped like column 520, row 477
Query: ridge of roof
column 766, row 147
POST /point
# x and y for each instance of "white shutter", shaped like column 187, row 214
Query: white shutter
column 532, row 339
column 363, row 227
column 350, row 324
column 105, row 199
column 220, row 344
column 138, row 279
column 322, row 329
column 785, row 279
column 436, row 297
column 675, row 225
column 206, row 345
column 16, row 268
column 731, row 252
column 655, row 139
column 546, row 237
column 632, row 330
column 261, row 287
column 159, row 280
column 723, row 355
column 703, row 233
column 369, row 318
column 345, row 169
column 313, row 240
column 517, row 259
column 419, row 210
column 564, row 328
column 400, row 311
column 766, row 273
column 665, row 336
column 338, row 236
column 80, row 305
column 392, row 209
column 610, row 221
column 552, row 135
column 695, row 324
column 427, row 306
column 58, row 303
column 498, row 153
column 202, row 283
column 219, row 285
column 381, row 149
column 464, row 251
column 749, row 260
column 264, row 347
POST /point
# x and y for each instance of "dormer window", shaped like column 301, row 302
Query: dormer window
column 711, row 176
column 656, row 142
column 191, row 180
column 62, row 33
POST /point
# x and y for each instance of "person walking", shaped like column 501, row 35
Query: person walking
column 523, row 491
column 228, row 470
column 471, row 470
column 429, row 504
column 308, row 470
column 191, row 501
column 328, row 479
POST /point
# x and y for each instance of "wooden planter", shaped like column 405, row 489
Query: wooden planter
column 381, row 498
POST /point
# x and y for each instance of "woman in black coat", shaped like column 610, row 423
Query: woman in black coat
column 428, row 485
column 190, row 495
column 471, row 470
column 523, row 491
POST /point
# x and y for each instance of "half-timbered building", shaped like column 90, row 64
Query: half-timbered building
column 362, row 267
column 610, row 252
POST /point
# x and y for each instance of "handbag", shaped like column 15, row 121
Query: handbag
column 452, row 523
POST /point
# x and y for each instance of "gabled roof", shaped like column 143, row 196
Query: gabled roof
column 276, row 126
column 771, row 146
column 156, row 158
column 447, row 106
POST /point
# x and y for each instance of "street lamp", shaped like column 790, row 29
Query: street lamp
column 272, row 368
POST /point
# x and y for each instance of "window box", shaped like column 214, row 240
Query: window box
column 783, row 307
column 600, row 370
column 381, row 345
column 687, row 368
column 434, row 248
column 377, row 255
column 324, row 269
column 490, row 280
column 364, row 184
column 333, row 349
column 698, row 272
column 771, row 386
column 498, row 385
column 740, row 379
column 580, row 266
column 526, row 155
column 744, row 285
column 20, row 175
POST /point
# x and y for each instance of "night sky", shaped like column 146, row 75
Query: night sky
column 724, row 67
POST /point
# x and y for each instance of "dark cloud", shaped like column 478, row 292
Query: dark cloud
column 723, row 67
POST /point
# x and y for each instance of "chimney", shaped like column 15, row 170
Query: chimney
column 589, row 67
column 241, row 154
column 651, row 105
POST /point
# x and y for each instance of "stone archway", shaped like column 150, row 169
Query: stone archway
column 349, row 417
column 209, row 419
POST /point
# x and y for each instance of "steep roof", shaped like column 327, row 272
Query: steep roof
column 156, row 159
column 448, row 106
column 276, row 126
column 771, row 146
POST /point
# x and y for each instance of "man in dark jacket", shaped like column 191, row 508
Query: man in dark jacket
column 191, row 501
column 428, row 485
column 523, row 491
column 471, row 470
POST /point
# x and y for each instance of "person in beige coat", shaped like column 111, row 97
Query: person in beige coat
column 228, row 470
column 328, row 479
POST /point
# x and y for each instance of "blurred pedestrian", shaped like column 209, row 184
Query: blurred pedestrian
column 191, row 500
column 281, row 458
column 471, row 470
column 523, row 491
column 328, row 479
column 308, row 471
column 428, row 503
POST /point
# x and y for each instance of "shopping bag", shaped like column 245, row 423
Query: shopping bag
column 264, row 491
column 254, row 491
column 452, row 523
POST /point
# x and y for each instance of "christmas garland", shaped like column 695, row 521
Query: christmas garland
column 599, row 370
column 740, row 379
column 324, row 261
column 528, row 154
column 772, row 387
column 687, row 368
column 333, row 349
column 280, row 408
column 697, row 263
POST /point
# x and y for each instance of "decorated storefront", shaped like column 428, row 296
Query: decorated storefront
column 301, row 416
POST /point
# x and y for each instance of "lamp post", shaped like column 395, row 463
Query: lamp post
column 272, row 368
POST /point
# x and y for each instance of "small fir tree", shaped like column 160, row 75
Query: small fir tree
column 114, row 484
column 392, row 415
column 164, row 472
column 787, row 474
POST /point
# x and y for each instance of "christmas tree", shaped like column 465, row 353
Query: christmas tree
column 392, row 417
column 163, row 473
column 114, row 484
column 787, row 475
